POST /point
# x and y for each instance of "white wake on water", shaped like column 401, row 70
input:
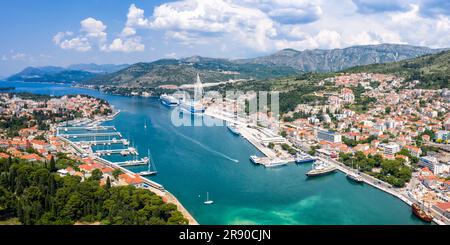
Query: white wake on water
column 205, row 147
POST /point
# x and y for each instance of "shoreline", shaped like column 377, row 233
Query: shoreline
column 338, row 165
column 153, row 186
column 372, row 181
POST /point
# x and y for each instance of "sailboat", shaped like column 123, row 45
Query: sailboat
column 149, row 171
column 208, row 202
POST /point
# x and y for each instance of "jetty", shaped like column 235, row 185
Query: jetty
column 118, row 134
column 104, row 142
column 132, row 163
column 89, row 128
column 125, row 151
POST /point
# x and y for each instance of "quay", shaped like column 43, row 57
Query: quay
column 132, row 163
column 91, row 135
column 91, row 128
column 126, row 151
column 104, row 142
column 381, row 185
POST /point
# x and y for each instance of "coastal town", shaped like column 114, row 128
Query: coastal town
column 393, row 135
column 29, row 125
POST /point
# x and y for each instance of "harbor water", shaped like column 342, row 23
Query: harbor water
column 194, row 160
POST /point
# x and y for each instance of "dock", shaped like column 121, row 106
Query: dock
column 270, row 162
column 91, row 135
column 132, row 163
column 245, row 132
column 89, row 128
column 104, row 142
column 125, row 151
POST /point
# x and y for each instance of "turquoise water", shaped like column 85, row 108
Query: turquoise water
column 194, row 160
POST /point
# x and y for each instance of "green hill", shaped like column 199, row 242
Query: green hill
column 184, row 71
column 433, row 71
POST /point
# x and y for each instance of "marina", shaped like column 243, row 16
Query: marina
column 195, row 160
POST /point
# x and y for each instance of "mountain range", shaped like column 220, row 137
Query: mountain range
column 73, row 73
column 319, row 60
column 286, row 62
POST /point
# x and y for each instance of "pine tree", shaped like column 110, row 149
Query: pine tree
column 108, row 183
column 52, row 165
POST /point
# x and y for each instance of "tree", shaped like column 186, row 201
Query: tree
column 108, row 183
column 96, row 174
column 53, row 165
column 116, row 173
column 387, row 110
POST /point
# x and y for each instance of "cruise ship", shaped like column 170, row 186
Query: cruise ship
column 234, row 129
column 192, row 107
column 169, row 100
column 320, row 168
column 421, row 213
column 304, row 158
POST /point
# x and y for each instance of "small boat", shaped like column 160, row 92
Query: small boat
column 420, row 213
column 254, row 159
column 354, row 177
column 234, row 129
column 169, row 100
column 304, row 158
column 149, row 171
column 145, row 125
column 208, row 202
column 277, row 162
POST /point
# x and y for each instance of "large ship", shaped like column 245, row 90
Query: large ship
column 192, row 107
column 419, row 212
column 169, row 100
column 304, row 158
column 320, row 168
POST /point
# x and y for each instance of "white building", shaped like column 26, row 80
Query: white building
column 391, row 148
column 329, row 136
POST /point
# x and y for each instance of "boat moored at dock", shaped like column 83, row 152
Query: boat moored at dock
column 354, row 177
column 321, row 168
column 421, row 213
column 304, row 158
column 234, row 129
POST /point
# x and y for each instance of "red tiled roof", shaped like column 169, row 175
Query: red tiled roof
column 443, row 205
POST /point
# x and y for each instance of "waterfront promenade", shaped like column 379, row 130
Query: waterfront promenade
column 399, row 193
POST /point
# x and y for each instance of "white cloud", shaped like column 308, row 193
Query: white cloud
column 93, row 28
column 236, row 27
column 127, row 45
column 92, row 32
column 78, row 43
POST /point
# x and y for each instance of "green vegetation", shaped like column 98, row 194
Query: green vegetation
column 392, row 171
column 353, row 143
column 178, row 72
column 432, row 71
column 35, row 195
column 288, row 148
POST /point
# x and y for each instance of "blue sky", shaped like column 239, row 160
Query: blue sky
column 54, row 32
